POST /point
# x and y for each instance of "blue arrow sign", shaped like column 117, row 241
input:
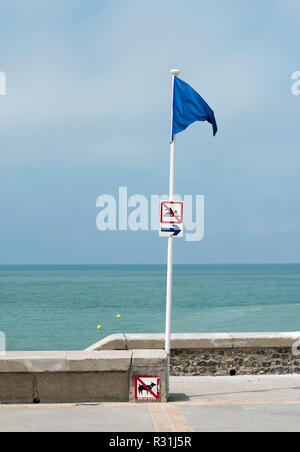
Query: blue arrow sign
column 175, row 229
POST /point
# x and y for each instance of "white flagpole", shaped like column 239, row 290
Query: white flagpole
column 174, row 73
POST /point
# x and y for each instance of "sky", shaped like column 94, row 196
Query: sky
column 87, row 109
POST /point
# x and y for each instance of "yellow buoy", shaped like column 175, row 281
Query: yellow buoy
column 99, row 327
column 118, row 316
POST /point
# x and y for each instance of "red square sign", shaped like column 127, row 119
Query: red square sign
column 147, row 387
column 171, row 212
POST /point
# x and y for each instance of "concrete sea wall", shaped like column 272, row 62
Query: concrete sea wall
column 112, row 369
column 70, row 377
column 218, row 354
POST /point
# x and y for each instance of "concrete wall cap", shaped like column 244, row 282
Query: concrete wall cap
column 145, row 341
column 265, row 340
column 112, row 342
column 202, row 341
column 33, row 362
column 178, row 341
column 149, row 358
column 99, row 361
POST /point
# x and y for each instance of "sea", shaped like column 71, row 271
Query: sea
column 60, row 307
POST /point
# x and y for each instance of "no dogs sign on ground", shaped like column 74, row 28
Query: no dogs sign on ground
column 147, row 387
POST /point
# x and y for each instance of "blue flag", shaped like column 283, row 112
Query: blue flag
column 188, row 107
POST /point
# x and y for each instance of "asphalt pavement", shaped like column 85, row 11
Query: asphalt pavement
column 197, row 404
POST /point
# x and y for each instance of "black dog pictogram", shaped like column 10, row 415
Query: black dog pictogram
column 142, row 388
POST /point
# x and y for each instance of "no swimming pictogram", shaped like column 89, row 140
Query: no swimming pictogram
column 171, row 212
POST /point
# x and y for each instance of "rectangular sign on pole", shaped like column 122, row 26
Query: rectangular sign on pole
column 171, row 219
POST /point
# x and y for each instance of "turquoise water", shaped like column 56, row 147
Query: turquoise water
column 59, row 307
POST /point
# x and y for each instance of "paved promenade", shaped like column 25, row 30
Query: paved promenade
column 267, row 403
